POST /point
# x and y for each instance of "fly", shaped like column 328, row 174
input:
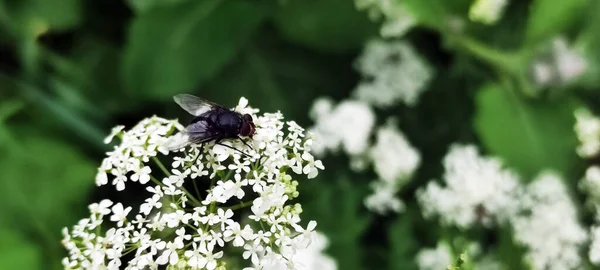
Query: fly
column 213, row 123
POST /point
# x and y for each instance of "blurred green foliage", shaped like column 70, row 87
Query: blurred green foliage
column 71, row 69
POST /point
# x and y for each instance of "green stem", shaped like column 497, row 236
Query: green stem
column 156, row 181
column 506, row 61
column 240, row 206
column 162, row 167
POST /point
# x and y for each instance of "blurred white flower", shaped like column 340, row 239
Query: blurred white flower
column 558, row 64
column 435, row 259
column 346, row 126
column 590, row 184
column 383, row 199
column 477, row 190
column 392, row 72
column 487, row 11
column 569, row 62
column 547, row 225
column 174, row 228
column 394, row 161
column 312, row 257
column 397, row 21
column 393, row 157
column 594, row 252
column 587, row 129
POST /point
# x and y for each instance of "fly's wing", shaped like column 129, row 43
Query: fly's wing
column 195, row 105
column 199, row 132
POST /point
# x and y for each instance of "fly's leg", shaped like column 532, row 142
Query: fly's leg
column 199, row 153
column 245, row 142
column 218, row 142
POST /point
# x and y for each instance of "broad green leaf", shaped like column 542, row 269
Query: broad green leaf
column 16, row 252
column 325, row 25
column 176, row 48
column 288, row 78
column 547, row 18
column 43, row 181
column 528, row 135
column 88, row 78
column 34, row 17
column 144, row 5
column 336, row 205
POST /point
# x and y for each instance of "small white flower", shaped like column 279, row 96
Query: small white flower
column 119, row 214
column 114, row 132
column 195, row 258
column 101, row 208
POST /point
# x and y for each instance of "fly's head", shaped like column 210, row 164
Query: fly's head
column 248, row 126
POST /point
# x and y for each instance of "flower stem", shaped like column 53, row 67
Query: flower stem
column 166, row 172
column 240, row 206
column 161, row 166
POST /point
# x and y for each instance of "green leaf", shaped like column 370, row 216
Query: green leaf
column 144, row 5
column 17, row 253
column 34, row 17
column 335, row 205
column 528, row 135
column 271, row 84
column 176, row 48
column 588, row 43
column 43, row 182
column 325, row 25
column 547, row 18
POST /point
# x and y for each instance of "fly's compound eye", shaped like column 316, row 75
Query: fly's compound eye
column 247, row 118
column 247, row 129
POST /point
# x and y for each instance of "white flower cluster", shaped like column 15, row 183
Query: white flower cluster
column 347, row 126
column 137, row 147
column 590, row 184
column 178, row 229
column 435, row 259
column 312, row 258
column 477, row 190
column 558, row 64
column 394, row 72
column 394, row 161
column 397, row 20
column 587, row 128
column 547, row 225
column 594, row 253
column 487, row 11
column 442, row 257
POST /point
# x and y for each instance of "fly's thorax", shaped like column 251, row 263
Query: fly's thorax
column 230, row 122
